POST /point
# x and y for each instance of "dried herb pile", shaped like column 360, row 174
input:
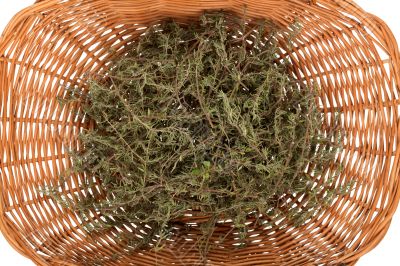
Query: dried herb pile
column 207, row 118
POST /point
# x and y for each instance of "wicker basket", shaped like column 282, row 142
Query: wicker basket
column 351, row 54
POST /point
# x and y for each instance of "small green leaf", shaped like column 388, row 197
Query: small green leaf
column 196, row 171
column 207, row 164
column 206, row 176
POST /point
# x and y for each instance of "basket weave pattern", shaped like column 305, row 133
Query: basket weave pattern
column 351, row 54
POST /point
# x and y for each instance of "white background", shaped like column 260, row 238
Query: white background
column 388, row 251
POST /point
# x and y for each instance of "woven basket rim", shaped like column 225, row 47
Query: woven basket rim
column 352, row 54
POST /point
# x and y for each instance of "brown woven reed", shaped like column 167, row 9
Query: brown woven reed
column 351, row 54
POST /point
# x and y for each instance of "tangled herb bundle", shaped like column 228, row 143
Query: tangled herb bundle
column 202, row 117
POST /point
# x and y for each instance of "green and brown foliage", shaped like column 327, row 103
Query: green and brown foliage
column 202, row 117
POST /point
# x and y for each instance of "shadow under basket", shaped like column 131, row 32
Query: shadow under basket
column 352, row 56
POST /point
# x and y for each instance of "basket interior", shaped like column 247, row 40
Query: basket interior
column 56, row 44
